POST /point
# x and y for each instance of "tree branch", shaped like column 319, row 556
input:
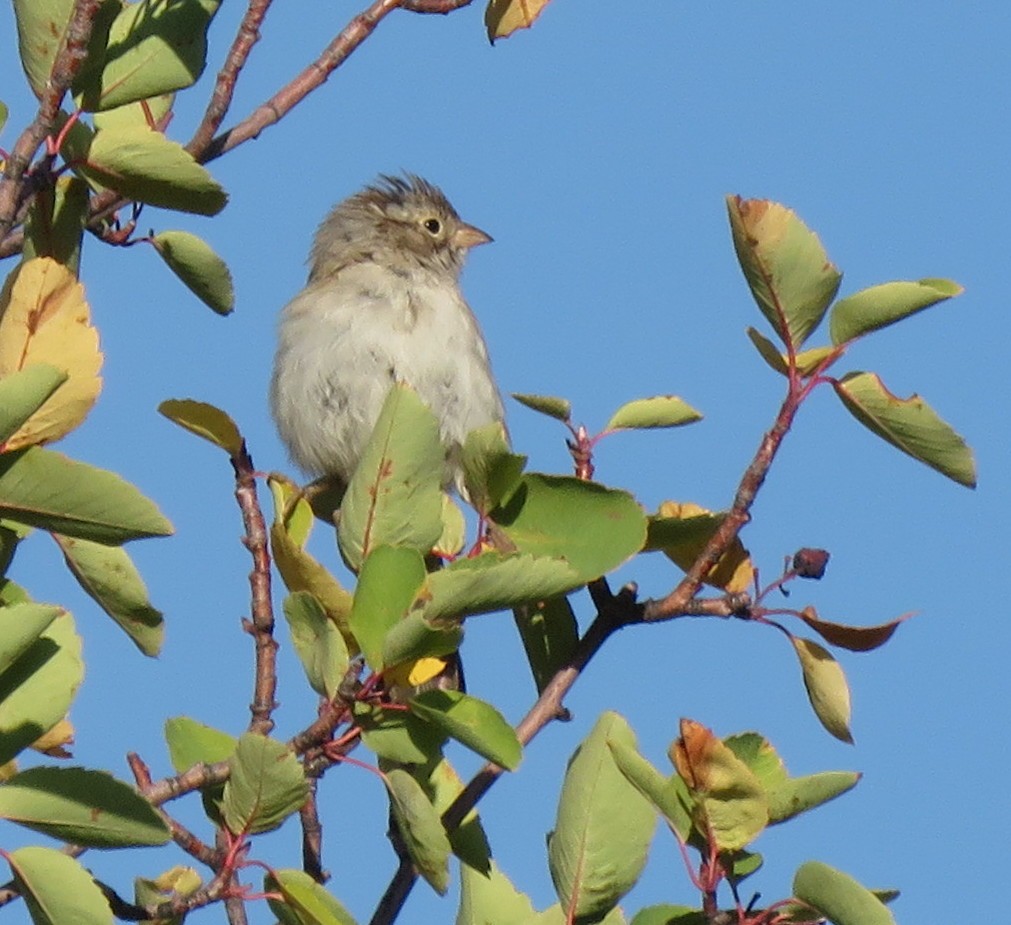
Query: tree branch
column 261, row 627
column 68, row 63
column 335, row 54
column 674, row 604
column 224, row 87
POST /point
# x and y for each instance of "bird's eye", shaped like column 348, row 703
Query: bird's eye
column 432, row 225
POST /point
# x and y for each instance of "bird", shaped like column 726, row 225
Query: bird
column 382, row 305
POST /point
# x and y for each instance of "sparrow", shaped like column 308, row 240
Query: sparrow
column 382, row 305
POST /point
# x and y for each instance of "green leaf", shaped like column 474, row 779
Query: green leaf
column 690, row 530
column 22, row 393
column 414, row 638
column 604, row 826
column 36, row 691
column 490, row 471
column 175, row 883
column 11, row 535
column 421, row 828
column 552, row 406
column 204, row 420
column 56, row 889
column 389, row 581
column 3, row 115
column 909, row 424
column 154, row 47
column 668, row 794
column 788, row 796
column 398, row 736
column 667, row 914
column 493, row 581
column 111, row 579
column 785, row 266
column 550, row 634
column 826, row 687
column 204, row 273
column 838, row 897
column 88, row 808
column 648, row 413
column 395, row 495
column 468, row 840
column 879, row 306
column 595, row 529
column 145, row 166
column 472, row 722
column 306, row 902
column 293, row 520
column 41, row 28
column 56, row 221
column 21, row 624
column 41, row 488
column 190, row 743
column 807, row 360
column 768, row 351
column 318, row 643
column 265, row 787
column 10, row 592
column 145, row 113
column 489, row 898
column 799, row 794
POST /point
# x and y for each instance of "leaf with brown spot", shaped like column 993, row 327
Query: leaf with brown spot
column 786, row 267
column 730, row 802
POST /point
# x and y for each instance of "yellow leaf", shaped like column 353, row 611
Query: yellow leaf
column 732, row 573
column 299, row 570
column 54, row 742
column 503, row 17
column 44, row 318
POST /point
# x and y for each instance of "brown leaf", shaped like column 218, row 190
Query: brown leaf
column 854, row 638
column 692, row 752
column 44, row 318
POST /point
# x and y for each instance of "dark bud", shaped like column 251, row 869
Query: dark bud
column 810, row 563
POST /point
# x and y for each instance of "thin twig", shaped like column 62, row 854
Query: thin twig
column 66, row 67
column 335, row 54
column 312, row 836
column 182, row 836
column 737, row 517
column 235, row 906
column 261, row 607
column 224, row 87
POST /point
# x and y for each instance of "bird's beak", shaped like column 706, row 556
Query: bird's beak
column 467, row 236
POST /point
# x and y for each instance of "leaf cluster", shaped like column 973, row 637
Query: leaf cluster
column 383, row 652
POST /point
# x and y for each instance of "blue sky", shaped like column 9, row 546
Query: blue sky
column 597, row 149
